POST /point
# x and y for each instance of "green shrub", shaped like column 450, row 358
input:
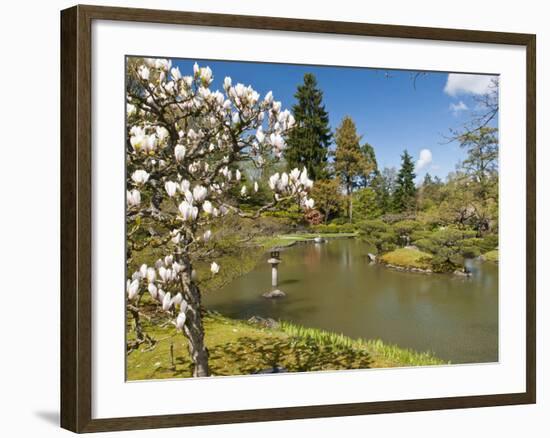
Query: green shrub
column 484, row 244
column 470, row 251
column 379, row 234
column 491, row 256
column 373, row 226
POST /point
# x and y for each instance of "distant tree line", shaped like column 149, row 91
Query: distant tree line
column 350, row 187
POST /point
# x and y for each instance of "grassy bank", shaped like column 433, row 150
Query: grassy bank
column 238, row 347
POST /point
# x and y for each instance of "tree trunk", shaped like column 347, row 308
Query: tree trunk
column 350, row 201
column 193, row 327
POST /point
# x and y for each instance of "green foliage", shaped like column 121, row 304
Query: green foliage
column 470, row 251
column 308, row 141
column 429, row 193
column 491, row 256
column 482, row 159
column 404, row 197
column 406, row 227
column 371, row 171
column 484, row 244
column 449, row 247
column 365, row 205
column 381, row 235
column 328, row 197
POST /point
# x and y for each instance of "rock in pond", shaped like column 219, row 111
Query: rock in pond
column 275, row 293
column 264, row 322
column 372, row 257
column 462, row 273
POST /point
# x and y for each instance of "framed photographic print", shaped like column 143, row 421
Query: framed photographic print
column 268, row 218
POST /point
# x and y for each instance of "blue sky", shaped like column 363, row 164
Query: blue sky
column 390, row 113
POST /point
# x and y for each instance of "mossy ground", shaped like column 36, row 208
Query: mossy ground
column 407, row 258
column 241, row 348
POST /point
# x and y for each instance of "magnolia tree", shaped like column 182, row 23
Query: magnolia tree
column 185, row 144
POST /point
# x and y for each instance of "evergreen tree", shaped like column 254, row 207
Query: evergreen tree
column 428, row 181
column 348, row 158
column 308, row 142
column 371, row 166
column 404, row 197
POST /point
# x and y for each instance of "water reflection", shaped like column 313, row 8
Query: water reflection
column 333, row 286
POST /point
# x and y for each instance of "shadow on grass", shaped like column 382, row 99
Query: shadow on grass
column 251, row 355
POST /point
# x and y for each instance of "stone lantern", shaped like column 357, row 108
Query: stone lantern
column 274, row 261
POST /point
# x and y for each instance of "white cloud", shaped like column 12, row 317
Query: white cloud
column 467, row 84
column 424, row 160
column 457, row 107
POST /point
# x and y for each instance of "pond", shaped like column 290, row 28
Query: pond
column 332, row 286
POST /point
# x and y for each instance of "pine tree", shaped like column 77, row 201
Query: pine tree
column 404, row 197
column 308, row 142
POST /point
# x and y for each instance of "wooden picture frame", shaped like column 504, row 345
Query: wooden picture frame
column 76, row 217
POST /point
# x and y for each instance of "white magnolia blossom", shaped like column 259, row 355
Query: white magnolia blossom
column 151, row 274
column 167, row 301
column 162, row 134
column 309, row 203
column 177, row 299
column 199, row 193
column 179, row 152
column 153, row 291
column 227, row 83
column 215, row 268
column 176, row 74
column 188, row 211
column 185, row 185
column 206, row 75
column 207, row 207
column 171, row 188
column 207, row 235
column 143, row 270
column 130, row 109
column 132, row 288
column 176, row 238
column 143, row 73
column 133, row 197
column 140, row 176
column 180, row 320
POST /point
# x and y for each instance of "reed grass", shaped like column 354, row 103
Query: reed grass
column 390, row 354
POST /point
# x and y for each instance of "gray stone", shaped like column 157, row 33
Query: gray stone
column 275, row 293
column 264, row 322
column 462, row 273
